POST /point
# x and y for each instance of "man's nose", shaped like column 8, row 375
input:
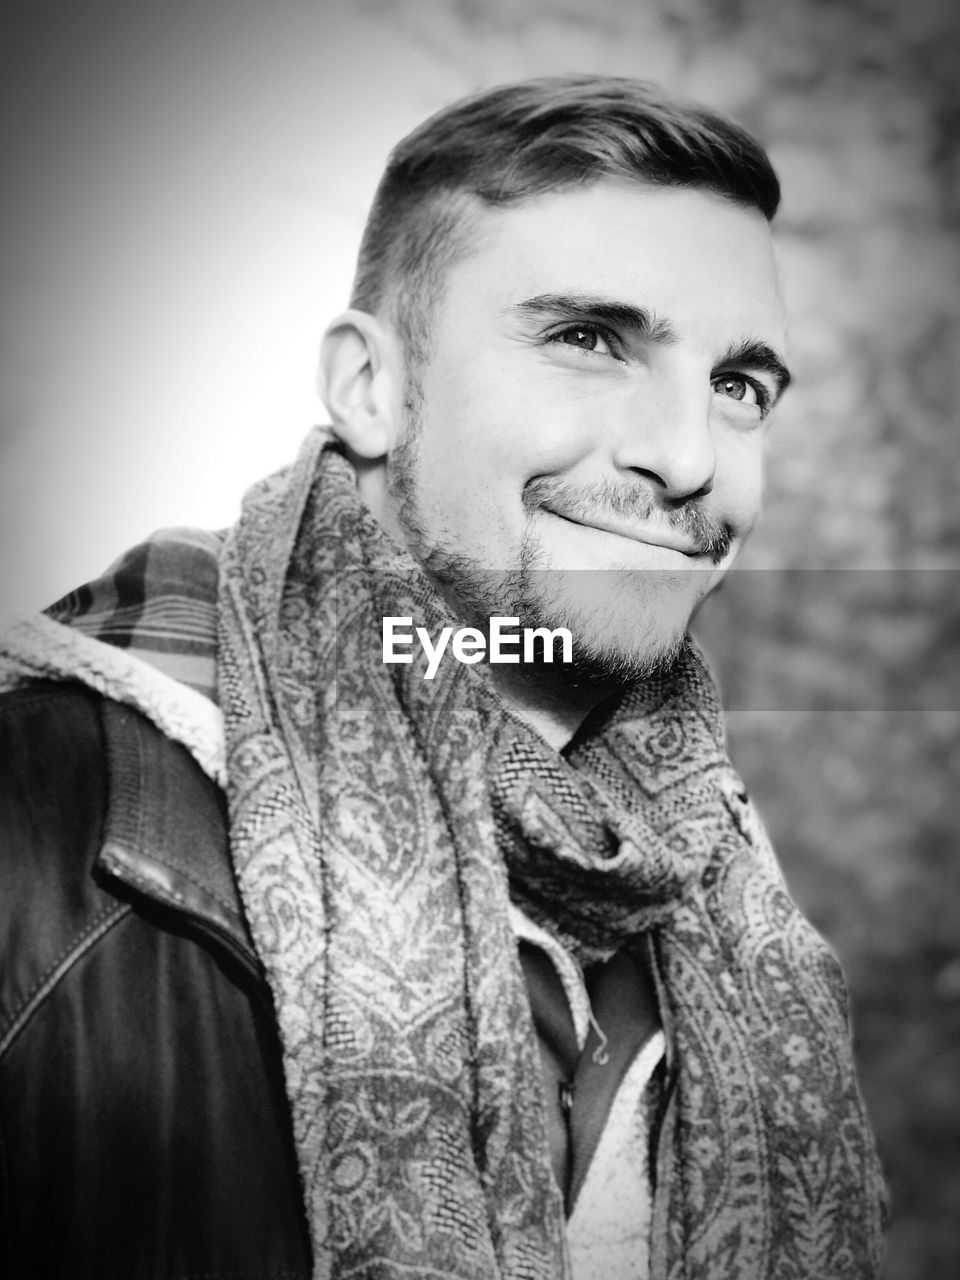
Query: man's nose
column 667, row 434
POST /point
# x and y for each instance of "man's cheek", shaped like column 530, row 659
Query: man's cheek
column 738, row 490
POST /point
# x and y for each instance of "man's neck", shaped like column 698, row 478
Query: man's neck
column 555, row 711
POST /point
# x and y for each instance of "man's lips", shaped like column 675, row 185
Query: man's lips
column 655, row 536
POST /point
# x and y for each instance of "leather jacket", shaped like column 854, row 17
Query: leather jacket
column 144, row 1127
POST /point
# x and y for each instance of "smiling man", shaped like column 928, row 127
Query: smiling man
column 486, row 967
column 584, row 443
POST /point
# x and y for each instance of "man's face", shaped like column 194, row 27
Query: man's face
column 584, row 445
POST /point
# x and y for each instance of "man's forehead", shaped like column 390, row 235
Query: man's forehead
column 681, row 255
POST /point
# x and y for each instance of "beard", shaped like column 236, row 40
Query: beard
column 627, row 624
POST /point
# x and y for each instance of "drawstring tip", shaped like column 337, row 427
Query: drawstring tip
column 599, row 1055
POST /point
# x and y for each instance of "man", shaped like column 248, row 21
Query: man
column 488, row 969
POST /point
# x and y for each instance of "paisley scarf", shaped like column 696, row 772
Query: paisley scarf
column 380, row 823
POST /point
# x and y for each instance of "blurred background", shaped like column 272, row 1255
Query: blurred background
column 184, row 189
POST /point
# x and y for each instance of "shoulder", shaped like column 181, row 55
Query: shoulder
column 56, row 711
column 53, row 797
column 142, row 1106
column 52, row 785
column 100, row 814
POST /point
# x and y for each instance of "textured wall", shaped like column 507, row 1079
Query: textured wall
column 837, row 643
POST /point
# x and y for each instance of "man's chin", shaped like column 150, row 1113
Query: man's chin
column 616, row 667
column 625, row 625
column 606, row 662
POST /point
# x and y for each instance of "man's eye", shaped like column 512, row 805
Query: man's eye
column 585, row 337
column 736, row 387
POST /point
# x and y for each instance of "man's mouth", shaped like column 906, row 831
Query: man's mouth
column 650, row 535
column 632, row 513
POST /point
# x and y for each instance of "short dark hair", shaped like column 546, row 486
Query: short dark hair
column 507, row 144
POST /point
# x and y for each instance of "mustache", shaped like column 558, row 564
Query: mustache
column 593, row 501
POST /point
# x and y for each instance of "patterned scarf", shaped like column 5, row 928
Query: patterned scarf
column 381, row 822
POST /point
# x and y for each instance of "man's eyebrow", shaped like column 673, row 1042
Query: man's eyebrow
column 623, row 315
column 757, row 355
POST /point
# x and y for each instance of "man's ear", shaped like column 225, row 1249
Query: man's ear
column 361, row 383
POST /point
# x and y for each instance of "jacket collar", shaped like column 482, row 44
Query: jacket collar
column 166, row 829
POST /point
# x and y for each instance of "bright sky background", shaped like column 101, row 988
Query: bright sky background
column 187, row 189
